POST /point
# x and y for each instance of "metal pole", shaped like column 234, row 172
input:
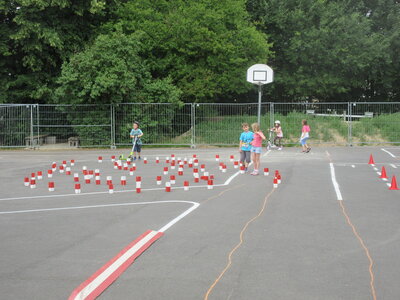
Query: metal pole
column 271, row 113
column 32, row 127
column 259, row 105
column 350, row 123
column 193, row 122
column 112, row 117
column 37, row 121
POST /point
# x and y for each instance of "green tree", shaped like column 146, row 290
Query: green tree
column 37, row 36
column 205, row 46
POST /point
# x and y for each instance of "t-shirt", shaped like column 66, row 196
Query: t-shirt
column 278, row 131
column 136, row 132
column 246, row 138
column 257, row 139
column 306, row 130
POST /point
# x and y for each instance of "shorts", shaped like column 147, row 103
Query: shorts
column 245, row 156
column 304, row 141
column 256, row 150
column 137, row 148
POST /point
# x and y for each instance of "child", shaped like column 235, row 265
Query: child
column 305, row 134
column 258, row 136
column 245, row 145
column 279, row 134
column 136, row 134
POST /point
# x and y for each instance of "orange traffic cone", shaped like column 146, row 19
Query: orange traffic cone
column 383, row 173
column 393, row 186
column 371, row 160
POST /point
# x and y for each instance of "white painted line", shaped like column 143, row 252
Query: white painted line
column 195, row 204
column 376, row 169
column 266, row 153
column 390, row 153
column 393, row 166
column 388, row 184
column 379, row 173
column 335, row 183
column 384, row 179
column 178, row 218
column 353, row 166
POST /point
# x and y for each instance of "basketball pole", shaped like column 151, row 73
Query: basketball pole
column 259, row 104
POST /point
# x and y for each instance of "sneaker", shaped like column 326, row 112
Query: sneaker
column 134, row 158
column 308, row 149
column 280, row 148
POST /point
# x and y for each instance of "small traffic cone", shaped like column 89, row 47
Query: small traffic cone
column 383, row 173
column 158, row 180
column 186, row 185
column 393, row 185
column 371, row 160
column 51, row 186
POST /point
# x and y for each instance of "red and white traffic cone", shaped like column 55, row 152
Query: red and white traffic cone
column 98, row 180
column 172, row 179
column 210, row 184
column 180, row 171
column 61, row 169
column 266, row 171
column 50, row 173
column 97, row 172
column 371, row 160
column 51, row 186
column 194, row 155
column 53, row 166
column 76, row 177
column 205, row 176
column 217, row 157
column 113, row 158
column 279, row 178
column 223, row 168
column 33, row 175
column 138, row 184
column 167, row 186
column 64, row 163
column 196, row 162
column 77, row 188
column 190, row 163
column 172, row 165
column 39, row 175
column 157, row 160
column 145, row 160
column 109, row 180
column 231, row 158
column 131, row 171
column 202, row 168
column 26, row 181
column 72, row 162
column 126, row 166
column 393, row 185
column 100, row 159
column 186, row 185
column 235, row 164
column 67, row 171
column 123, row 180
column 196, row 175
column 165, row 170
column 158, row 179
column 275, row 182
column 111, row 189
column 87, row 179
column 167, row 160
column 383, row 173
column 242, row 170
column 33, row 183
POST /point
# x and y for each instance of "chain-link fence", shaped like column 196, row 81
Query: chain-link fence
column 55, row 126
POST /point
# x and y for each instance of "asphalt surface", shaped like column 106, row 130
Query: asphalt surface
column 297, row 241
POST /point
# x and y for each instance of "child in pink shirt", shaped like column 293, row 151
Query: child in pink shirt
column 305, row 134
column 256, row 144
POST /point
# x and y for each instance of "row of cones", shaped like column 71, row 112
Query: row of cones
column 393, row 184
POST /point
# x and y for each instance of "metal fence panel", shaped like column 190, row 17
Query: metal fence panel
column 16, row 126
column 328, row 121
column 375, row 123
column 220, row 124
column 341, row 123
column 76, row 125
column 161, row 123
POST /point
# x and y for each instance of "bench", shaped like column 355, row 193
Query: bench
column 73, row 141
column 36, row 140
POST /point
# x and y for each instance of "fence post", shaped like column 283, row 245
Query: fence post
column 271, row 115
column 350, row 123
column 193, row 125
column 112, row 126
column 37, row 122
column 31, row 126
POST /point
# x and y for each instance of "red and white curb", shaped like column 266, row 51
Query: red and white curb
column 105, row 276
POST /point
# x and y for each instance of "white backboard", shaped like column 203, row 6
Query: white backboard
column 260, row 74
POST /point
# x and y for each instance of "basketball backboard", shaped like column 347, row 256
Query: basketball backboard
column 260, row 74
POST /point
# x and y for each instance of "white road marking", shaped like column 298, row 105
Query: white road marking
column 353, row 166
column 388, row 152
column 393, row 166
column 335, row 183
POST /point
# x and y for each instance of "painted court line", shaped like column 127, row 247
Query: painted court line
column 105, row 276
column 388, row 152
column 335, row 183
